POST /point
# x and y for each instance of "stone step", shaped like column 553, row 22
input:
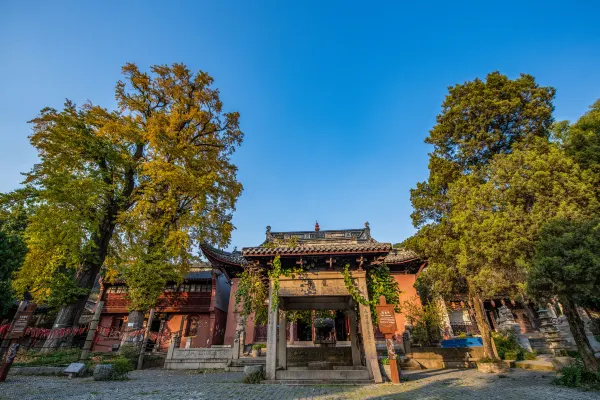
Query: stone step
column 536, row 365
column 320, row 382
column 242, row 362
column 322, row 375
column 234, row 369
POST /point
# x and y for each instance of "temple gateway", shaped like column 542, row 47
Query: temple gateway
column 341, row 347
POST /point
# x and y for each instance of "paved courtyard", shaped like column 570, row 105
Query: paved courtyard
column 162, row 384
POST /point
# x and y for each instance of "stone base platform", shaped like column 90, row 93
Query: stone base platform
column 331, row 376
column 239, row 364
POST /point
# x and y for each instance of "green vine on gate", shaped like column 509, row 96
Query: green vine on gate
column 252, row 291
column 380, row 282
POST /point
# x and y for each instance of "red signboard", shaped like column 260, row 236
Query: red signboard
column 387, row 319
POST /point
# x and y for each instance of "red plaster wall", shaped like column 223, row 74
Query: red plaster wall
column 102, row 343
column 219, row 322
column 231, row 324
column 408, row 293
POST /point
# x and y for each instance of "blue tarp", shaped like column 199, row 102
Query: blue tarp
column 467, row 342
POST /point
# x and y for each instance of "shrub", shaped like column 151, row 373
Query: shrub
column 130, row 351
column 254, row 378
column 575, row 375
column 426, row 322
column 572, row 353
column 508, row 343
column 384, row 361
column 258, row 346
column 530, row 355
column 121, row 366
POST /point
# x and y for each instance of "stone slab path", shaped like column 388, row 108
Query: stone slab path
column 184, row 385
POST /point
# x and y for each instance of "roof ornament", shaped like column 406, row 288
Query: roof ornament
column 317, row 228
column 268, row 233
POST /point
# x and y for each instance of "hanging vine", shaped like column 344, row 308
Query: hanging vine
column 252, row 294
column 380, row 282
column 252, row 291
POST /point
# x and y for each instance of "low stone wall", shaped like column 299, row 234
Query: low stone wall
column 437, row 358
column 301, row 356
column 37, row 370
column 197, row 358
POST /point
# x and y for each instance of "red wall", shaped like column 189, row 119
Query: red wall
column 229, row 335
column 408, row 293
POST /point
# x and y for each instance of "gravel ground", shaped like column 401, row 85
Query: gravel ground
column 163, row 384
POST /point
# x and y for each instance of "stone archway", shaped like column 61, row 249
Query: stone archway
column 322, row 290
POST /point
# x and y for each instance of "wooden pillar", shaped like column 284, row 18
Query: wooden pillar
column 281, row 342
column 366, row 324
column 145, row 342
column 271, row 362
column 356, row 359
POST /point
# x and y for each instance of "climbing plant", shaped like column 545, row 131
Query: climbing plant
column 253, row 290
column 252, row 294
column 380, row 282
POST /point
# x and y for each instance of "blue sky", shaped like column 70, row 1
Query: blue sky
column 335, row 98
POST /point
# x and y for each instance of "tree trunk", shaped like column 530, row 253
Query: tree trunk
column 69, row 315
column 578, row 330
column 135, row 321
column 484, row 329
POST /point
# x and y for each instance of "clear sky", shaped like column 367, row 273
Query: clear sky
column 335, row 98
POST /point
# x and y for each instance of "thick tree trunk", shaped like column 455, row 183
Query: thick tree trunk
column 135, row 321
column 484, row 329
column 578, row 330
column 68, row 315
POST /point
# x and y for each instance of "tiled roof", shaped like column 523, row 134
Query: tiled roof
column 397, row 256
column 231, row 258
column 198, row 275
column 321, row 237
column 368, row 247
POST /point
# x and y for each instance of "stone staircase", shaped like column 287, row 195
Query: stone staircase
column 239, row 364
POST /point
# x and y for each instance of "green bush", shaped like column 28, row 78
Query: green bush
column 572, row 353
column 254, row 378
column 575, row 375
column 121, row 366
column 258, row 346
column 384, row 361
column 530, row 355
column 508, row 343
column 130, row 351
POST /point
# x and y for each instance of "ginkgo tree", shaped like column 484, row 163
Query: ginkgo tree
column 125, row 188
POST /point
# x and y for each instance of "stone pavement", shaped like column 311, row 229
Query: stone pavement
column 164, row 384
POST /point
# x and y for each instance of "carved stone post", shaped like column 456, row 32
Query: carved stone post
column 366, row 324
column 356, row 359
column 237, row 347
column 271, row 362
column 281, row 342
